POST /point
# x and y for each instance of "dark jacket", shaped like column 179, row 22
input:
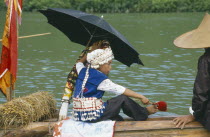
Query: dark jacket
column 201, row 91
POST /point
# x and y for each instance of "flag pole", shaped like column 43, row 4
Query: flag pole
column 35, row 35
column 9, row 90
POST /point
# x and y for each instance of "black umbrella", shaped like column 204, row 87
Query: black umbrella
column 84, row 28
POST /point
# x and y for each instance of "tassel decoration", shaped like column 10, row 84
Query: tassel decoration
column 161, row 105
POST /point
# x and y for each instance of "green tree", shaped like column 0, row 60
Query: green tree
column 118, row 6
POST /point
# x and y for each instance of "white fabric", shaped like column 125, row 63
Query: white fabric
column 106, row 85
column 99, row 57
column 71, row 128
column 191, row 111
column 79, row 67
column 63, row 111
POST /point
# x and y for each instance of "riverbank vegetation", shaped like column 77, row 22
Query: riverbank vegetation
column 118, row 6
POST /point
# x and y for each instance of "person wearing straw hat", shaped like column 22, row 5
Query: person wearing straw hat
column 200, row 110
column 91, row 83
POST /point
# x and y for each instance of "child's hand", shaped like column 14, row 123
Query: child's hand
column 145, row 100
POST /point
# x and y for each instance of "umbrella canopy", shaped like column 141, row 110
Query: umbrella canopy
column 85, row 29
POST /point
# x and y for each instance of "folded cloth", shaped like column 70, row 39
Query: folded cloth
column 72, row 128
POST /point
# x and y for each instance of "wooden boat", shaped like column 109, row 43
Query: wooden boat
column 153, row 127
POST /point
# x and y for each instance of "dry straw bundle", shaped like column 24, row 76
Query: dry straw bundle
column 21, row 111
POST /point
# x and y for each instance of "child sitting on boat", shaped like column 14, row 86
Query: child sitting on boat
column 91, row 84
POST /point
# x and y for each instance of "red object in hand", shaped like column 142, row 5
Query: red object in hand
column 161, row 105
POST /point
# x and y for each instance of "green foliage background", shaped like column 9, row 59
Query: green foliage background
column 119, row 6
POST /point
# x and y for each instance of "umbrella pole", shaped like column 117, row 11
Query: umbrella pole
column 89, row 41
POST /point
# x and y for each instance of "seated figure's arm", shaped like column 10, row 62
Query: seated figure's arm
column 65, row 102
column 201, row 88
column 68, row 94
column 108, row 86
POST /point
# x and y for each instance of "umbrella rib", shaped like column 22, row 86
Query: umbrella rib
column 96, row 27
column 85, row 28
column 91, row 35
column 99, row 35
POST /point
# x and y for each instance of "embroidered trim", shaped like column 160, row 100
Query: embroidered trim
column 87, row 109
column 87, row 104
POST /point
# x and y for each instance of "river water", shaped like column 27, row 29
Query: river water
column 168, row 75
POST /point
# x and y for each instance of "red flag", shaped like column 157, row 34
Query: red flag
column 8, row 66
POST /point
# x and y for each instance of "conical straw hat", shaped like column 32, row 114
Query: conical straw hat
column 197, row 38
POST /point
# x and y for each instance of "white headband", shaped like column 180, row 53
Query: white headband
column 96, row 58
column 99, row 57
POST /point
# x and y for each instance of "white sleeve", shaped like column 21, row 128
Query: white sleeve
column 79, row 67
column 191, row 111
column 108, row 86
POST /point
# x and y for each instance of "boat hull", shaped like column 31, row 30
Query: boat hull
column 153, row 127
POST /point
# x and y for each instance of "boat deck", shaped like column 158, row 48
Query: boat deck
column 158, row 127
column 153, row 127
